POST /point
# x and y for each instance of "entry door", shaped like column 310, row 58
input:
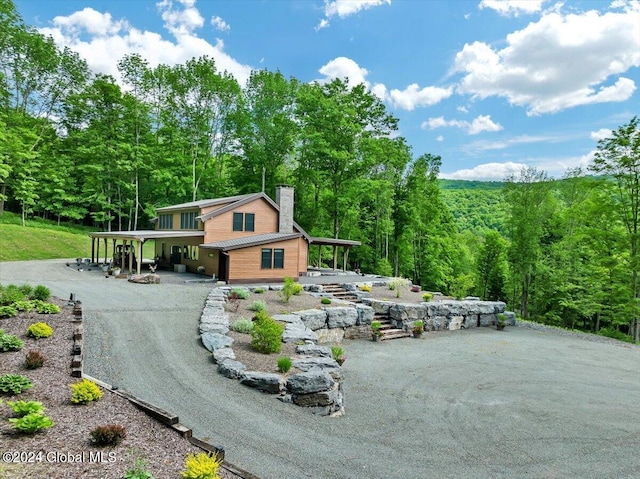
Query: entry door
column 223, row 266
column 176, row 255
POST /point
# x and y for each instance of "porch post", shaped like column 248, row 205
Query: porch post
column 113, row 253
column 335, row 257
column 139, row 256
column 131, row 259
column 319, row 256
column 98, row 252
column 106, row 248
column 93, row 247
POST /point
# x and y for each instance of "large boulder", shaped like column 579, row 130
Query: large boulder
column 231, row 369
column 223, row 354
column 149, row 278
column 379, row 307
column 287, row 318
column 314, row 350
column 341, row 317
column 408, row 312
column 455, row 323
column 488, row 319
column 313, row 318
column 309, row 382
column 365, row 314
column 324, row 398
column 267, row 382
column 213, row 341
column 325, row 364
column 294, row 332
column 510, row 318
column 331, row 336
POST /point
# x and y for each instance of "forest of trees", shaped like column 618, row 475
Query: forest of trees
column 80, row 147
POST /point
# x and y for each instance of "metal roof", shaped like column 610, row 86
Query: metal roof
column 203, row 203
column 334, row 241
column 248, row 241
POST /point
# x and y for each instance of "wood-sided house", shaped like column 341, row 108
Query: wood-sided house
column 238, row 239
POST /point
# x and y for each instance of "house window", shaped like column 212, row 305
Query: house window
column 244, row 221
column 278, row 258
column 272, row 258
column 188, row 221
column 266, row 258
column 165, row 222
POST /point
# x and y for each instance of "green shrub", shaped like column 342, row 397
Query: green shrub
column 11, row 294
column 9, row 342
column 39, row 330
column 266, row 336
column 31, row 423
column 85, row 392
column 258, row 290
column 109, row 435
column 139, row 470
column 290, row 288
column 336, row 352
column 615, row 334
column 242, row 325
column 240, row 293
column 426, row 297
column 201, row 466
column 8, row 312
column 257, row 306
column 366, row 288
column 47, row 308
column 26, row 290
column 41, row 293
column 14, row 383
column 284, row 364
column 24, row 306
column 22, row 408
column 34, row 360
column 325, row 300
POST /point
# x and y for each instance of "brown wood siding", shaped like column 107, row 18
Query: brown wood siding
column 221, row 227
column 303, row 255
column 245, row 264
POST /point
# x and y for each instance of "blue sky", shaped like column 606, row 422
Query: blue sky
column 489, row 85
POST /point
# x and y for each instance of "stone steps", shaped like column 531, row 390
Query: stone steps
column 389, row 331
column 338, row 292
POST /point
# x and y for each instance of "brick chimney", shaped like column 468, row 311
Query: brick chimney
column 284, row 199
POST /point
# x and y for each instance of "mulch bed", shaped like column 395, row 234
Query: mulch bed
column 64, row 451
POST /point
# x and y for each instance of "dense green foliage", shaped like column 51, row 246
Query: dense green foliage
column 9, row 342
column 39, row 330
column 22, row 408
column 201, row 466
column 14, row 383
column 242, row 325
column 284, row 364
column 84, row 392
column 266, row 336
column 31, row 423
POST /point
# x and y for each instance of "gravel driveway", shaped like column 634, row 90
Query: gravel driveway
column 466, row 404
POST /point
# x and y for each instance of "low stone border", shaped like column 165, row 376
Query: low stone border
column 318, row 386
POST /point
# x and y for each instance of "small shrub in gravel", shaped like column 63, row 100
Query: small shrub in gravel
column 47, row 308
column 39, row 330
column 22, row 408
column 24, row 306
column 284, row 364
column 41, row 293
column 257, row 306
column 8, row 312
column 266, row 336
column 240, row 293
column 9, row 342
column 10, row 295
column 34, row 360
column 427, row 297
column 31, row 423
column 85, row 392
column 109, row 435
column 242, row 325
column 290, row 288
column 201, row 466
column 325, row 301
column 26, row 290
column 139, row 470
column 14, row 383
column 258, row 290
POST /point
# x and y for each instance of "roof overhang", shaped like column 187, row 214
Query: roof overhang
column 144, row 235
column 249, row 241
column 334, row 242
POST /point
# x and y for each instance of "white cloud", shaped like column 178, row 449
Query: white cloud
column 478, row 125
column 601, row 134
column 103, row 41
column 462, row 109
column 440, row 138
column 486, row 172
column 344, row 8
column 220, row 24
column 559, row 62
column 413, row 96
column 512, row 7
column 343, row 67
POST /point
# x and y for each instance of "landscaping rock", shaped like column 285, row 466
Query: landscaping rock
column 144, row 278
column 275, row 287
column 287, row 318
column 294, row 332
column 365, row 314
column 223, row 354
column 231, row 369
column 214, row 341
column 407, row 312
column 456, row 323
column 471, row 321
column 309, row 382
column 307, row 364
column 313, row 318
column 379, row 307
column 328, row 336
column 341, row 317
column 314, row 350
column 499, row 307
column 268, row 382
column 313, row 288
column 510, row 318
column 213, row 328
column 325, row 398
column 488, row 319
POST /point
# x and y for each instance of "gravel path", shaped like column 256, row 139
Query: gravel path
column 466, row 404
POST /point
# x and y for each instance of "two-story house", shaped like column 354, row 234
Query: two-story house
column 238, row 239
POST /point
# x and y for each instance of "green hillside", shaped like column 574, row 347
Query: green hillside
column 40, row 240
column 475, row 205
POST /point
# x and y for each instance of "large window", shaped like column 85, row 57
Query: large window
column 188, row 221
column 244, row 221
column 165, row 222
column 272, row 258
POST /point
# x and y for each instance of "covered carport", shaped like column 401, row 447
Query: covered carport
column 132, row 241
column 335, row 243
